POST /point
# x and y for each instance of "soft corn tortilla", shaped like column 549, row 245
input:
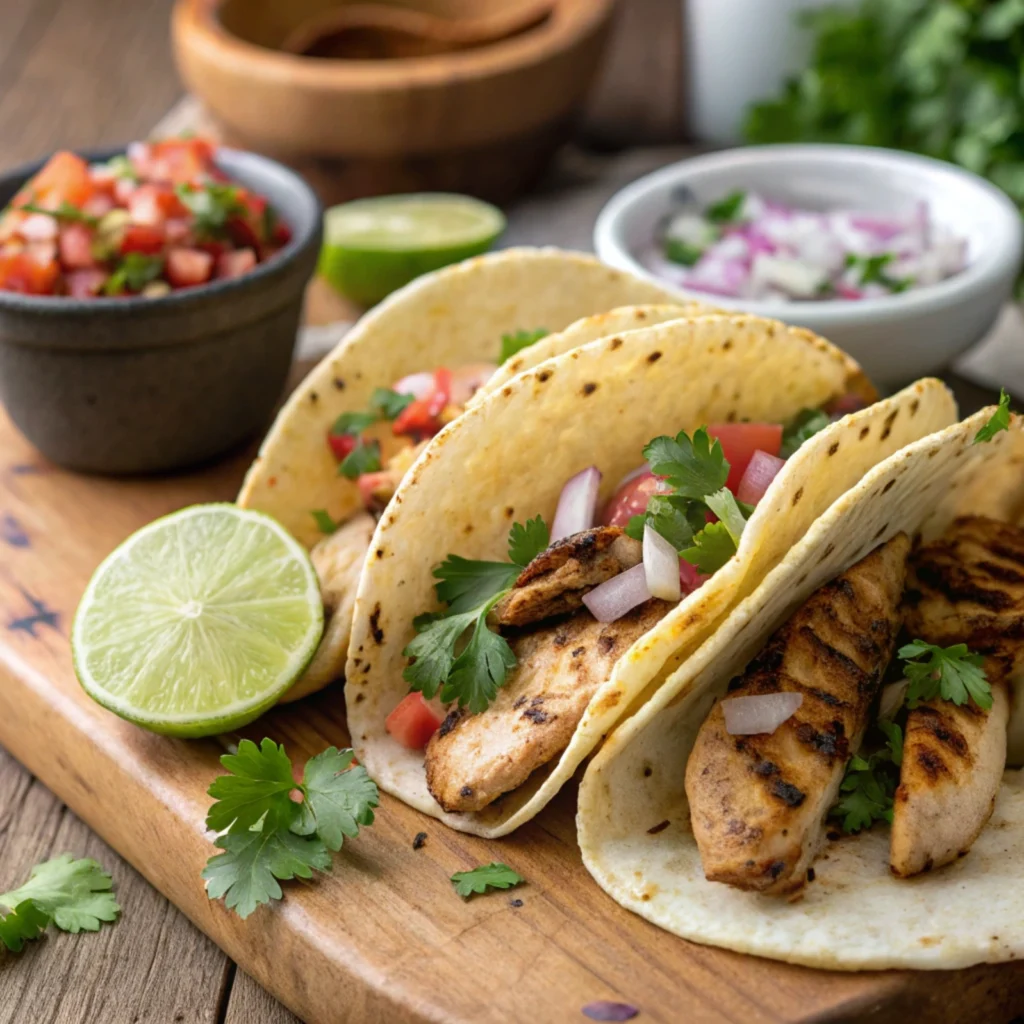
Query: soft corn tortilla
column 633, row 818
column 507, row 458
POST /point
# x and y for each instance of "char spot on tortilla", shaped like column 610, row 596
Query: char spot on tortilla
column 544, row 376
column 888, row 487
column 828, row 551
column 535, row 715
column 366, row 668
column 606, row 643
column 730, row 416
column 799, row 494
column 881, row 530
column 914, row 406
column 506, row 391
column 360, row 697
column 654, row 357
column 933, row 453
column 833, row 448
column 615, row 343
column 509, row 511
column 466, row 791
column 727, row 344
column 357, row 662
column 272, row 482
column 314, row 397
column 648, row 771
column 660, row 827
column 339, row 383
column 468, row 528
column 608, row 702
column 864, row 431
column 887, row 426
column 577, row 651
column 588, row 389
column 379, row 552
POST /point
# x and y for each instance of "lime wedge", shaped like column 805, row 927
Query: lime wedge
column 199, row 622
column 373, row 246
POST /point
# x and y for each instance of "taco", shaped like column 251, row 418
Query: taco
column 535, row 657
column 824, row 781
column 338, row 448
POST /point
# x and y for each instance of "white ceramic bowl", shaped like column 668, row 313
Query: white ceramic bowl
column 896, row 338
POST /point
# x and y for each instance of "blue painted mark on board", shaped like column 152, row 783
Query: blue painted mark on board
column 12, row 532
column 41, row 615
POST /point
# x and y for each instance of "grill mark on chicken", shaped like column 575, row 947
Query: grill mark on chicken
column 758, row 803
column 533, row 717
column 555, row 582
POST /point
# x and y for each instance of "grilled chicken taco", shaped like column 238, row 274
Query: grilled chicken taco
column 343, row 441
column 575, row 535
column 825, row 781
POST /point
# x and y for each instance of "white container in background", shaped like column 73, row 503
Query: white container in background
column 737, row 52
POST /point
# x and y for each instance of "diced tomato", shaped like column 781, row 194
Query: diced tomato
column 412, row 722
column 84, row 284
column 368, row 483
column 741, row 440
column 236, row 263
column 154, row 204
column 175, row 160
column 75, row 247
column 631, row 498
column 242, row 233
column 98, row 204
column 64, row 178
column 468, row 379
column 143, row 238
column 188, row 267
column 689, row 578
column 420, row 419
column 19, row 272
column 342, row 445
column 177, row 230
column 282, row 234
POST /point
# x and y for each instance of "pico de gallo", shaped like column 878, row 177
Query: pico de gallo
column 161, row 217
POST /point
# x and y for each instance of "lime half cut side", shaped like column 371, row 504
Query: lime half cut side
column 373, row 246
column 199, row 622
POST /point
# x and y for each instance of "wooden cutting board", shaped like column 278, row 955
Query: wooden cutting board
column 383, row 938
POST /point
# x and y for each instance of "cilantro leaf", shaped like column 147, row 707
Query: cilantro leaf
column 999, row 420
column 466, row 583
column 893, row 739
column 726, row 507
column 364, row 458
column 677, row 519
column 527, row 540
column 514, row 343
column 133, row 273
column 65, row 211
column 683, row 253
column 693, row 467
column 433, row 649
column 808, row 422
column 481, row 668
column 952, row 673
column 487, row 876
column 212, row 205
column 726, row 210
column 74, row 894
column 387, row 404
column 353, row 423
column 866, row 792
column 257, row 788
column 712, row 548
column 337, row 798
column 246, row 873
column 24, row 923
column 325, row 524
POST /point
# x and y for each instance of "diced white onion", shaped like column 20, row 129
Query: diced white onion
column 577, row 504
column 619, row 595
column 661, row 566
column 761, row 713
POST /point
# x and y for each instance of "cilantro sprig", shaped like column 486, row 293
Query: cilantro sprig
column 65, row 211
column 75, row 895
column 133, row 273
column 952, row 673
column 267, row 836
column 727, row 210
column 473, row 674
column 998, row 421
column 807, row 423
column 212, row 206
column 514, row 343
column 866, row 792
column 872, row 270
column 385, row 405
column 487, row 876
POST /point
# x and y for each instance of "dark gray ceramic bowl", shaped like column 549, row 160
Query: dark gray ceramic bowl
column 139, row 385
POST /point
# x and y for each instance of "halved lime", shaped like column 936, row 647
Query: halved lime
column 373, row 246
column 199, row 622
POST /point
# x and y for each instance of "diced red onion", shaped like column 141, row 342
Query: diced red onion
column 761, row 713
column 419, row 385
column 891, row 699
column 619, row 595
column 760, row 472
column 690, row 579
column 661, row 566
column 577, row 504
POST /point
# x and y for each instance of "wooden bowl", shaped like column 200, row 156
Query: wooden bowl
column 483, row 121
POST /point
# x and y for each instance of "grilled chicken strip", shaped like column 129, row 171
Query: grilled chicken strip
column 473, row 759
column 758, row 803
column 556, row 580
column 967, row 587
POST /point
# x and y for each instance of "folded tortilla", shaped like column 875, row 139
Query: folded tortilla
column 450, row 318
column 633, row 818
column 507, row 457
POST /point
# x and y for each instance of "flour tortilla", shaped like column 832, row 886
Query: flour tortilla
column 633, row 818
column 507, row 458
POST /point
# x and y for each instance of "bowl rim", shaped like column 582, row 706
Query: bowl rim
column 1001, row 255
column 567, row 24
column 133, row 304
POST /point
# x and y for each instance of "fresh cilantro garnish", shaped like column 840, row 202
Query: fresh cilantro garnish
column 72, row 894
column 514, row 343
column 121, row 167
column 324, row 522
column 726, row 210
column 727, row 508
column 952, row 673
column 487, row 876
column 353, row 423
column 133, row 273
column 212, row 206
column 693, row 467
column 999, row 420
column 364, row 458
column 808, row 422
column 712, row 548
column 387, row 404
column 682, row 253
column 471, row 589
column 676, row 518
column 872, row 271
column 65, row 211
column 268, row 836
column 869, row 783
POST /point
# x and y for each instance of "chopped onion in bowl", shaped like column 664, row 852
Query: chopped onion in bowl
column 661, row 566
column 577, row 504
column 619, row 595
column 757, row 477
column 761, row 713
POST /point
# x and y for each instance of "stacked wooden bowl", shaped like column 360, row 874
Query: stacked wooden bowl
column 408, row 105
